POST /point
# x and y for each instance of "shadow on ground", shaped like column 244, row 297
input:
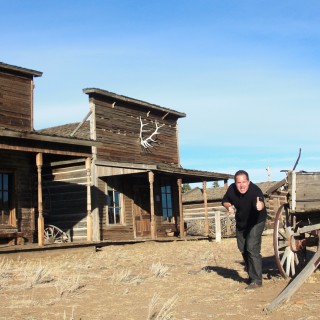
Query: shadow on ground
column 269, row 270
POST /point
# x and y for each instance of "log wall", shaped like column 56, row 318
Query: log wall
column 65, row 198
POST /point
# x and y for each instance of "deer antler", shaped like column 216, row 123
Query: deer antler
column 147, row 142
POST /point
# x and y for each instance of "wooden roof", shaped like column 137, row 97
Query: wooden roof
column 33, row 141
column 216, row 194
column 67, row 130
column 105, row 93
column 44, row 136
column 191, row 175
column 29, row 72
column 187, row 175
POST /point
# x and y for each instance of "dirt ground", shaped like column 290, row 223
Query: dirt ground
column 150, row 280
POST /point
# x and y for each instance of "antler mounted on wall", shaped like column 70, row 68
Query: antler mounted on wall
column 147, row 142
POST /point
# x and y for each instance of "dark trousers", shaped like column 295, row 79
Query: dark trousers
column 249, row 244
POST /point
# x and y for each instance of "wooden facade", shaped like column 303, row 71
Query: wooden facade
column 114, row 176
column 30, row 163
column 140, row 160
column 136, row 172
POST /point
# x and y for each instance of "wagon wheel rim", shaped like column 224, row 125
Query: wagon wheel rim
column 53, row 234
column 289, row 262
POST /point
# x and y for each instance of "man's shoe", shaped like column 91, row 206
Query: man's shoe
column 253, row 285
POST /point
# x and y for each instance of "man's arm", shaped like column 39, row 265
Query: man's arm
column 229, row 207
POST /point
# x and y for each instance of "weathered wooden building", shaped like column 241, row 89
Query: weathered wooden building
column 114, row 176
column 32, row 163
column 136, row 171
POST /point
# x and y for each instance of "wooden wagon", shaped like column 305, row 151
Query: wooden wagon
column 297, row 223
column 296, row 231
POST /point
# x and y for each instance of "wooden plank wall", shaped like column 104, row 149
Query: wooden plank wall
column 307, row 191
column 118, row 126
column 15, row 102
column 21, row 166
column 115, row 232
column 65, row 199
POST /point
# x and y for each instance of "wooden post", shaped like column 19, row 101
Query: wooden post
column 153, row 220
column 228, row 224
column 39, row 162
column 295, row 283
column 294, row 191
column 218, row 226
column 225, row 184
column 206, row 215
column 89, row 213
column 181, row 219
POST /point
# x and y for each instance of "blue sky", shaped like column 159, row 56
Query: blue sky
column 246, row 73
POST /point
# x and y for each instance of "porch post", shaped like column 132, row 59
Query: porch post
column 179, row 182
column 153, row 220
column 39, row 162
column 89, row 213
column 206, row 216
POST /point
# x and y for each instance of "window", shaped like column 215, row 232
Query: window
column 166, row 198
column 114, row 206
column 5, row 186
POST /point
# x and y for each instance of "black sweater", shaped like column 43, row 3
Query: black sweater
column 247, row 214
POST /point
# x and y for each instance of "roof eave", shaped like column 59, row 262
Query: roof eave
column 20, row 69
column 92, row 91
column 43, row 137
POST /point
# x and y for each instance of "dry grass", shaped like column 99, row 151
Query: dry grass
column 68, row 286
column 119, row 282
column 159, row 270
column 125, row 276
column 165, row 312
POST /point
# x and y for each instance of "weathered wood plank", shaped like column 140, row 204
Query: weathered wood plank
column 295, row 284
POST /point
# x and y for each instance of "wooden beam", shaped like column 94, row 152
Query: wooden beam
column 205, row 203
column 89, row 213
column 181, row 219
column 81, row 123
column 40, row 150
column 39, row 162
column 153, row 220
column 295, row 283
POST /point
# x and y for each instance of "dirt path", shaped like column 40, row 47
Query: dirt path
column 186, row 279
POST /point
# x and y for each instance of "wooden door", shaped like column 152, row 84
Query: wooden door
column 141, row 210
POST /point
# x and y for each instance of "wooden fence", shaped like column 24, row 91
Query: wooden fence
column 220, row 223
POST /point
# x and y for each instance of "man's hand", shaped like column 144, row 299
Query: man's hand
column 231, row 210
column 260, row 204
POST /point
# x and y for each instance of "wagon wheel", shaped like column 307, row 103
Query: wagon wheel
column 290, row 259
column 53, row 234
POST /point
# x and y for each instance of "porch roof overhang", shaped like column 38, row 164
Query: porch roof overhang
column 33, row 141
column 108, row 168
column 191, row 175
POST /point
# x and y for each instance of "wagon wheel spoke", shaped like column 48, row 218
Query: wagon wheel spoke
column 53, row 234
column 288, row 261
